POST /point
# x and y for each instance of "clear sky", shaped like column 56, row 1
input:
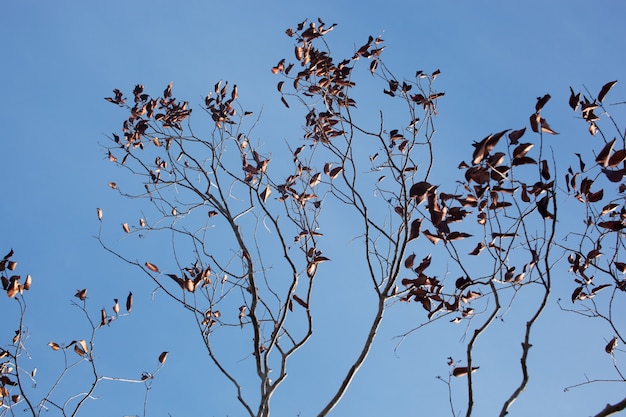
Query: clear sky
column 60, row 59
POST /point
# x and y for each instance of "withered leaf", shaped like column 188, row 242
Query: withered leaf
column 433, row 238
column 613, row 225
column 81, row 294
column 457, row 235
column 574, row 99
column 479, row 247
column 54, row 345
column 129, row 302
column 300, row 301
column 541, row 101
column 420, row 190
column 515, row 135
column 605, row 89
column 617, row 158
column 152, row 267
column 603, row 157
column 266, row 193
column 576, row 293
column 600, row 288
column 99, row 213
column 408, row 262
column 545, row 127
column 334, row 173
column 521, row 150
column 545, row 170
column 416, row 226
column 542, row 207
column 126, row 228
column 162, row 357
column 463, row 370
column 610, row 347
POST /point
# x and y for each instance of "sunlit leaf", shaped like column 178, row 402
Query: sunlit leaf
column 603, row 157
column 162, row 357
column 99, row 213
column 605, row 89
column 334, row 173
column 545, row 127
column 266, row 193
column 617, row 158
column 463, row 370
column 152, row 267
column 54, row 345
column 433, row 238
column 125, row 227
column 576, row 294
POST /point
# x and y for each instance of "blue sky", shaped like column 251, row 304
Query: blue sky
column 59, row 60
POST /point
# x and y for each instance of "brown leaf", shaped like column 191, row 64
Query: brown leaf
column 113, row 185
column 162, row 357
column 99, row 213
column 103, row 317
column 300, row 301
column 54, row 345
column 152, row 267
column 463, row 370
column 81, row 294
column 480, row 246
column 334, row 173
column 456, row 236
column 416, row 226
column 576, row 293
column 433, row 238
column 126, row 228
column 534, row 122
column 600, row 288
column 613, row 225
column 545, row 170
column 542, row 207
column 266, row 193
column 605, row 89
column 545, row 127
column 129, row 302
column 284, row 102
column 541, row 101
column 574, row 99
column 515, row 135
column 603, row 157
column 408, row 262
column 521, row 150
column 610, row 347
column 617, row 158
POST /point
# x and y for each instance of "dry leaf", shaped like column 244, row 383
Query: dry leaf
column 129, row 302
column 152, row 267
column 162, row 357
